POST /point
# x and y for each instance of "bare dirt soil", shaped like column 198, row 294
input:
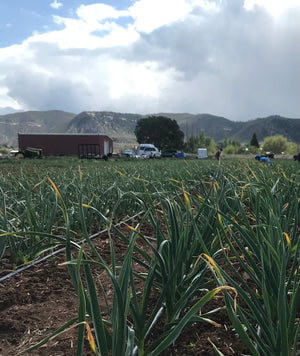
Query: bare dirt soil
column 35, row 303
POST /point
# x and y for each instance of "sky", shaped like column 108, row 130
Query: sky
column 239, row 59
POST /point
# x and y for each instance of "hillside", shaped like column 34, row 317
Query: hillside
column 120, row 126
column 213, row 126
column 32, row 121
column 270, row 126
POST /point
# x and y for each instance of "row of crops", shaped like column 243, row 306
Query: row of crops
column 229, row 230
column 29, row 203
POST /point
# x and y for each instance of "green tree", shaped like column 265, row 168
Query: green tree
column 275, row 144
column 162, row 131
column 200, row 141
column 225, row 141
column 230, row 149
column 212, row 146
column 229, row 142
column 254, row 141
column 292, row 148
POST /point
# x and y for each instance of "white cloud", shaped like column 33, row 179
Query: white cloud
column 78, row 81
column 56, row 5
column 206, row 4
column 98, row 12
column 225, row 58
column 138, row 79
column 80, row 35
column 7, row 101
column 152, row 14
column 275, row 7
column 94, row 28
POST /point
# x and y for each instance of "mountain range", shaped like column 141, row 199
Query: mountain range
column 120, row 126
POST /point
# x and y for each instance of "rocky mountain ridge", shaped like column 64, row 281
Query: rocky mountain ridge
column 120, row 126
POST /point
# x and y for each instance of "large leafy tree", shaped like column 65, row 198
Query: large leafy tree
column 275, row 144
column 162, row 131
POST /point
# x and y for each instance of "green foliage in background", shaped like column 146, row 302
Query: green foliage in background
column 200, row 141
column 275, row 144
column 254, row 141
column 161, row 131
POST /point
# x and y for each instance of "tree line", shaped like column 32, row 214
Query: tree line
column 165, row 134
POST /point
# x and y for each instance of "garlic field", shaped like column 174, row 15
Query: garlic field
column 162, row 257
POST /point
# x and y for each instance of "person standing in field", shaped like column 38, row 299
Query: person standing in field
column 218, row 154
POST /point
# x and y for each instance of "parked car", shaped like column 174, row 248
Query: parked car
column 151, row 152
column 169, row 153
column 148, row 150
column 181, row 155
column 268, row 155
column 127, row 153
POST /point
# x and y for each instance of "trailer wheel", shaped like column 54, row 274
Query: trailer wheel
column 19, row 155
